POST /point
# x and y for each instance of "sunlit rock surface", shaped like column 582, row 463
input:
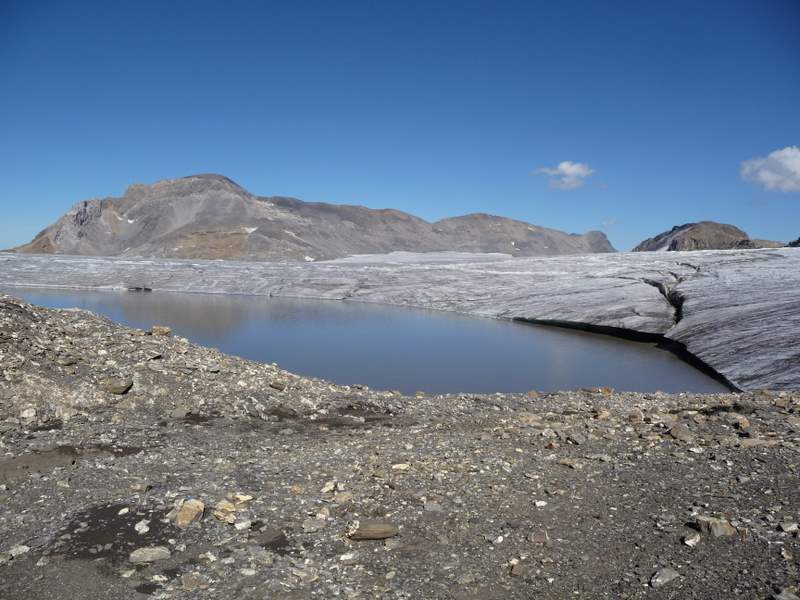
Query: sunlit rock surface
column 737, row 310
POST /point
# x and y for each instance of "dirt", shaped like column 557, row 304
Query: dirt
column 40, row 461
column 585, row 493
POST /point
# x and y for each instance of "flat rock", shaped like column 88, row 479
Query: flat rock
column 681, row 432
column 117, row 385
column 371, row 529
column 271, row 538
column 189, row 511
column 716, row 527
column 149, row 554
column 663, row 576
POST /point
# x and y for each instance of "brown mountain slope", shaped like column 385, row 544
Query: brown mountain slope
column 210, row 216
column 705, row 235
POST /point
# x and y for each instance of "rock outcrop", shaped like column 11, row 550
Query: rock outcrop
column 210, row 216
column 705, row 235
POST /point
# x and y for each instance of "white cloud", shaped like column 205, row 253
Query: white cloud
column 608, row 223
column 779, row 170
column 567, row 175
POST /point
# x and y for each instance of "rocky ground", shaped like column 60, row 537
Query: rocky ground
column 135, row 464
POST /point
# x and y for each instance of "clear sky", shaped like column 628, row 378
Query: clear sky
column 627, row 116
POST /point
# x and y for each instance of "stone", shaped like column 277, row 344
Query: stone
column 785, row 595
column 191, row 582
column 240, row 500
column 601, row 457
column 716, row 527
column 663, row 576
column 65, row 413
column 572, row 463
column 681, row 432
column 160, row 330
column 189, row 511
column 225, row 511
column 242, row 524
column 271, row 538
column 576, row 438
column 342, row 497
column 788, row 527
column 142, row 526
column 739, row 421
column 313, row 525
column 372, row 529
column 539, row 537
column 18, row 550
column 527, row 419
column 117, row 385
column 635, row 416
column 692, row 539
column 307, row 575
column 757, row 443
column 149, row 554
column 392, row 543
column 520, row 569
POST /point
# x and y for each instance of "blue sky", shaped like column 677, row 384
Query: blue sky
column 437, row 108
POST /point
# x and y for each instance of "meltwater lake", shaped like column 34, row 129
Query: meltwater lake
column 394, row 348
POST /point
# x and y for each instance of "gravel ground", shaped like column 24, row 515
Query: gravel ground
column 135, row 464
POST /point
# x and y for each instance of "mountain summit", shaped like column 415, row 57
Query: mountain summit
column 705, row 235
column 210, row 216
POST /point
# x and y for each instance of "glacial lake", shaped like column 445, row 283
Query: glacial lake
column 394, row 348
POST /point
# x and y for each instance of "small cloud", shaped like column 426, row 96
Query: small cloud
column 608, row 223
column 567, row 175
column 779, row 170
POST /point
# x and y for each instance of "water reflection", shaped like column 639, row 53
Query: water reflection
column 393, row 348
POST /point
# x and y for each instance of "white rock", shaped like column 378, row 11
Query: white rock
column 149, row 554
column 19, row 550
column 142, row 526
column 663, row 577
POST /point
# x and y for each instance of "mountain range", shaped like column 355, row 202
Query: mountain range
column 209, row 216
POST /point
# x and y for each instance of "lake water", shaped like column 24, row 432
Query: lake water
column 394, row 348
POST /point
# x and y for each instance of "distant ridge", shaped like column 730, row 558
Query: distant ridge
column 705, row 235
column 210, row 216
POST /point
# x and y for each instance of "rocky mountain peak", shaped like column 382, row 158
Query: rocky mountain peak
column 203, row 183
column 210, row 216
column 705, row 235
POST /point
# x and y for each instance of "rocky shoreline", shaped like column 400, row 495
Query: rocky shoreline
column 135, row 464
column 736, row 311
